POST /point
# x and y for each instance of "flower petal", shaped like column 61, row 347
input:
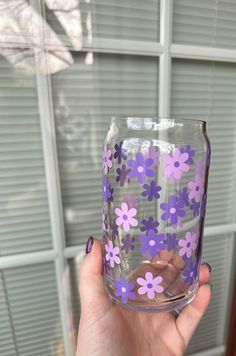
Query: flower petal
column 184, row 167
column 149, row 277
column 176, row 154
column 118, row 212
column 142, row 290
column 119, row 221
column 116, row 250
column 157, row 280
column 151, row 294
column 132, row 212
column 124, row 208
column 126, row 226
column 116, row 260
column 141, row 281
column 133, row 222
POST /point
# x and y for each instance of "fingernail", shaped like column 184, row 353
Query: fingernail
column 89, row 244
column 209, row 285
column 208, row 266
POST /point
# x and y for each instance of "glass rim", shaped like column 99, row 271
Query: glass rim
column 159, row 118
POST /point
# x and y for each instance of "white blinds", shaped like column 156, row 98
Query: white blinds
column 205, row 22
column 84, row 99
column 24, row 215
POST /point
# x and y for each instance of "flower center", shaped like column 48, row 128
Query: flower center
column 125, row 217
column 149, row 285
column 123, row 290
column 152, row 242
column 140, row 169
column 188, row 244
column 111, row 254
column 197, row 188
column 191, row 274
column 176, row 164
column 172, row 210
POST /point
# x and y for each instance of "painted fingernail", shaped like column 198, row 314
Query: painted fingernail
column 89, row 244
column 208, row 266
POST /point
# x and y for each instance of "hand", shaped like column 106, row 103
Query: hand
column 107, row 329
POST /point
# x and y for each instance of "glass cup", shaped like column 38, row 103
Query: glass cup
column 154, row 205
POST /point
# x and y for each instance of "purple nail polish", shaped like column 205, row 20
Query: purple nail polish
column 89, row 244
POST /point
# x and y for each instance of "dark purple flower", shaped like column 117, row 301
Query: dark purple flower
column 124, row 290
column 123, row 175
column 107, row 189
column 151, row 191
column 149, row 224
column 183, row 194
column 151, row 243
column 140, row 168
column 114, row 230
column 195, row 206
column 191, row 153
column 127, row 243
column 204, row 202
column 119, row 153
column 173, row 209
column 190, row 272
column 171, row 241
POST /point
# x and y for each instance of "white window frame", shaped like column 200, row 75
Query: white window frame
column 165, row 51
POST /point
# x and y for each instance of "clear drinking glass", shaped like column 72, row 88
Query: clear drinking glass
column 154, row 204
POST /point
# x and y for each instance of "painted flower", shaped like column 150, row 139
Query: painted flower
column 175, row 165
column 191, row 153
column 123, row 175
column 151, row 191
column 195, row 206
column 114, row 230
column 104, row 222
column 154, row 155
column 112, row 253
column 150, row 285
column 196, row 188
column 173, row 209
column 188, row 245
column 107, row 189
column 127, row 243
column 107, row 162
column 171, row 241
column 131, row 201
column 149, row 224
column 183, row 195
column 124, row 290
column 190, row 272
column 140, row 168
column 126, row 216
column 152, row 243
column 204, row 202
column 119, row 153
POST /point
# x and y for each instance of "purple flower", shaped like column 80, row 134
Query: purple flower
column 107, row 189
column 151, row 191
column 183, row 195
column 149, row 224
column 204, row 202
column 107, row 162
column 114, row 230
column 150, row 285
column 127, row 243
column 112, row 253
column 126, row 216
column 151, row 243
column 190, row 273
column 140, row 168
column 195, row 207
column 188, row 244
column 176, row 164
column 191, row 153
column 123, row 175
column 154, row 155
column 124, row 290
column 171, row 241
column 119, row 154
column 196, row 188
column 173, row 209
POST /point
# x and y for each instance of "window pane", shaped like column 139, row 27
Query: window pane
column 24, row 218
column 205, row 22
column 206, row 90
column 85, row 97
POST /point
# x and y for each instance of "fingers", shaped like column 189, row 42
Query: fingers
column 205, row 273
column 190, row 316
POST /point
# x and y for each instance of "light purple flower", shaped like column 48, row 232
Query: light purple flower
column 188, row 245
column 140, row 168
column 195, row 206
column 107, row 159
column 190, row 273
column 183, row 195
column 150, row 285
column 127, row 243
column 175, row 165
column 123, row 175
column 203, row 208
column 196, row 188
column 124, row 290
column 154, row 155
column 149, row 224
column 119, row 153
column 114, row 230
column 173, row 209
column 171, row 241
column 151, row 191
column 152, row 243
column 126, row 217
column 191, row 153
column 112, row 253
column 107, row 189
column 131, row 201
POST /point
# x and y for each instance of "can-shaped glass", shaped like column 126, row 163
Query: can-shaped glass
column 155, row 173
